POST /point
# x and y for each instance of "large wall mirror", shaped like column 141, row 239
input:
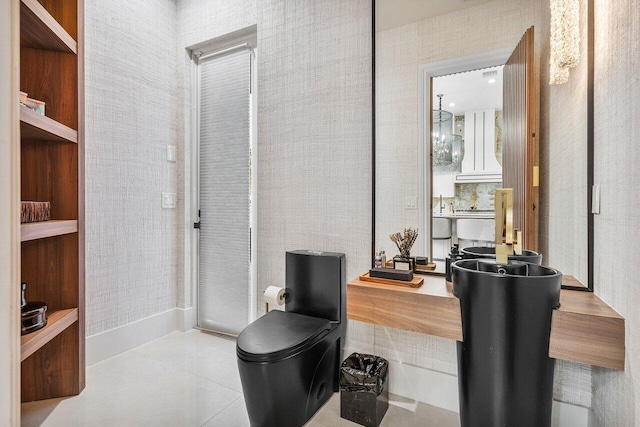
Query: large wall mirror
column 463, row 106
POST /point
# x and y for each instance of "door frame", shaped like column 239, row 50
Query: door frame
column 426, row 73
column 197, row 55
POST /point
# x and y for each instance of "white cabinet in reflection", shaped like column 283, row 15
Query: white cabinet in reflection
column 444, row 185
column 479, row 162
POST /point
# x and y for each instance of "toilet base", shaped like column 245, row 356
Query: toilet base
column 287, row 393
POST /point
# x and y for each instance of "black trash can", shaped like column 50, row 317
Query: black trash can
column 505, row 374
column 364, row 394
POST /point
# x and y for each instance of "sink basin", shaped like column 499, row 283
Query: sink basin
column 473, row 252
column 505, row 375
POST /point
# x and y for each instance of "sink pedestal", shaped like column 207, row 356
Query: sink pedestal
column 505, row 374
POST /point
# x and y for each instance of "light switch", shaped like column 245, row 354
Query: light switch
column 168, row 200
column 171, row 153
column 410, row 203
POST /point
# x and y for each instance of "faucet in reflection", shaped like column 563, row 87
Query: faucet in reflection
column 508, row 238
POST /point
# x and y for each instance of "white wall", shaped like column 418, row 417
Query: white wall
column 317, row 72
column 616, row 399
column 314, row 130
column 132, row 244
column 9, row 218
column 487, row 27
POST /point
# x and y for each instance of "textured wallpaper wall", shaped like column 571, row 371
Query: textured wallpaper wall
column 497, row 25
column 314, row 98
column 131, row 115
column 314, row 128
column 616, row 399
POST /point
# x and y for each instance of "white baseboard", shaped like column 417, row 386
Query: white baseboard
column 567, row 415
column 441, row 390
column 431, row 387
column 124, row 338
column 186, row 319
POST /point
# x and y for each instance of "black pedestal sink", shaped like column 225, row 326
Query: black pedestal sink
column 473, row 252
column 505, row 375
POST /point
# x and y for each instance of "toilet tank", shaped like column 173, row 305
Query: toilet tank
column 316, row 284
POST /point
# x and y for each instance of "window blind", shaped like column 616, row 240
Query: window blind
column 223, row 297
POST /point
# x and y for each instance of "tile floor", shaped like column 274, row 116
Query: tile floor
column 187, row 379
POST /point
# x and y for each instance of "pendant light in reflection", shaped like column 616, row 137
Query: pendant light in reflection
column 447, row 147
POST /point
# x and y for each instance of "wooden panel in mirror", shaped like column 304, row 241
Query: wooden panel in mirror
column 520, row 147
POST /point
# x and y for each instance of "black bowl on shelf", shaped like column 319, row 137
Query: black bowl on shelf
column 33, row 314
column 34, row 317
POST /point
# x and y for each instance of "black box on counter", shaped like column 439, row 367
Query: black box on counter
column 390, row 273
column 421, row 260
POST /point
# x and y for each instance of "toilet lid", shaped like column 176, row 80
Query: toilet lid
column 279, row 334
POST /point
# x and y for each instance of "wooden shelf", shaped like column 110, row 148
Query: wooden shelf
column 40, row 30
column 584, row 329
column 37, row 126
column 51, row 228
column 57, row 322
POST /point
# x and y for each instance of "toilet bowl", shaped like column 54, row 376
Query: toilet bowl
column 289, row 361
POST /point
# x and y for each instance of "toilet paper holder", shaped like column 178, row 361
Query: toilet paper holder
column 274, row 295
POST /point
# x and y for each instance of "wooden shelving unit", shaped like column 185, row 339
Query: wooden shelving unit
column 52, row 162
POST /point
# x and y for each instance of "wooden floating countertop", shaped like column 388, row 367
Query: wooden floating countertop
column 430, row 309
column 584, row 329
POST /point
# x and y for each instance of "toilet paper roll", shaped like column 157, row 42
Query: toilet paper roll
column 274, row 296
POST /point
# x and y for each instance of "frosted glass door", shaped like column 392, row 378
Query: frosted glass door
column 223, row 294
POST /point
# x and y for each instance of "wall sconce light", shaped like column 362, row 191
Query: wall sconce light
column 565, row 39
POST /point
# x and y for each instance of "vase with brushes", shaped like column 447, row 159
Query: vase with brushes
column 404, row 242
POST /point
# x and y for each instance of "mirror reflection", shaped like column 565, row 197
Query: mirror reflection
column 439, row 159
column 466, row 158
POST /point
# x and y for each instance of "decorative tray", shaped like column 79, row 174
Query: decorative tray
column 415, row 283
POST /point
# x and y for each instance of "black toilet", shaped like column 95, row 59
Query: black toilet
column 289, row 361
